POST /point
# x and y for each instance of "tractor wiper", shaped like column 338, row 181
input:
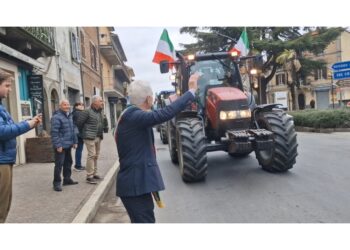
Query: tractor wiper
column 221, row 62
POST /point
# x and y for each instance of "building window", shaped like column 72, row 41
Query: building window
column 281, row 79
column 54, row 101
column 93, row 56
column 82, row 44
column 320, row 73
column 75, row 50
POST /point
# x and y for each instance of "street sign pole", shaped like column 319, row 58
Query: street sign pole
column 332, row 90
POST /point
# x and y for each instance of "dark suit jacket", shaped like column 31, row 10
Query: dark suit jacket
column 139, row 172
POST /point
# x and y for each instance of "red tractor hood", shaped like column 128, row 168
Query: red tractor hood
column 226, row 94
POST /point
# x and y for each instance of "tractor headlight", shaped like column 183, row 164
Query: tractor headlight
column 245, row 113
column 234, row 114
column 223, row 115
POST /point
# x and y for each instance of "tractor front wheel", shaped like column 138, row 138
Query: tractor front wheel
column 282, row 156
column 192, row 151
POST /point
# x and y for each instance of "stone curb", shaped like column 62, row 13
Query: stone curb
column 89, row 209
column 321, row 130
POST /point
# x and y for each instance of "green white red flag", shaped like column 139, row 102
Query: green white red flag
column 243, row 43
column 165, row 49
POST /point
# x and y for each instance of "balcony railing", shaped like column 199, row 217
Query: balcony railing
column 43, row 34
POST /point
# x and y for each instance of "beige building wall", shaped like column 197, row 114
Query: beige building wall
column 337, row 51
column 345, row 46
column 91, row 78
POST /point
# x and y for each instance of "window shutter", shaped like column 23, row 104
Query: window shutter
column 324, row 73
column 284, row 79
column 73, row 46
column 77, row 45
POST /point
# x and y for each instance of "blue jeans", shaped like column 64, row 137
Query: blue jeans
column 78, row 152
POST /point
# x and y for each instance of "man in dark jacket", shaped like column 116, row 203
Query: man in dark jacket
column 78, row 108
column 9, row 130
column 63, row 139
column 139, row 174
column 90, row 122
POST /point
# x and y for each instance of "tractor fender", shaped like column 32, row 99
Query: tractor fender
column 268, row 107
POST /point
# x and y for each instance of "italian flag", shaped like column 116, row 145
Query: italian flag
column 165, row 49
column 243, row 44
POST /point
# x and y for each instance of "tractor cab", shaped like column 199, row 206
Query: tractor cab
column 215, row 73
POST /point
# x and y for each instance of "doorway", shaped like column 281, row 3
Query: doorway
column 301, row 101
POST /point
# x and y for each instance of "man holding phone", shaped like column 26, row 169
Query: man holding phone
column 9, row 130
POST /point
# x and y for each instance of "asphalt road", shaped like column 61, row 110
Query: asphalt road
column 316, row 190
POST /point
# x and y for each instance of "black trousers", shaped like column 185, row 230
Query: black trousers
column 63, row 159
column 140, row 208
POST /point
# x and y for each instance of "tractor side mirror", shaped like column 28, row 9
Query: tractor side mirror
column 164, row 67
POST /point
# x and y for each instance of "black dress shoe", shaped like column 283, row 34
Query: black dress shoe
column 97, row 177
column 69, row 182
column 57, row 188
column 91, row 180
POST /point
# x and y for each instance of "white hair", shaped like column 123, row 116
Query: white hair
column 95, row 98
column 138, row 92
column 63, row 101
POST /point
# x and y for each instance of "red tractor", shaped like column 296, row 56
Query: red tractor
column 225, row 118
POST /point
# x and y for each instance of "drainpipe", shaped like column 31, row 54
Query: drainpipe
column 99, row 61
column 81, row 69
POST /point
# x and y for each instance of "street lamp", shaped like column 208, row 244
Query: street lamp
column 255, row 72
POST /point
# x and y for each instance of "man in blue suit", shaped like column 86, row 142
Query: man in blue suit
column 139, row 174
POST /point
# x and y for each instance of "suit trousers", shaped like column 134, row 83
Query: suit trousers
column 63, row 159
column 5, row 191
column 140, row 208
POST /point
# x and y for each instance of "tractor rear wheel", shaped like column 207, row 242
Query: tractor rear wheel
column 282, row 156
column 192, row 151
column 171, row 131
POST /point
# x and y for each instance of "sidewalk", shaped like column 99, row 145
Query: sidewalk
column 35, row 201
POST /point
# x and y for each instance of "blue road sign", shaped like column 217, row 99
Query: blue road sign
column 339, row 75
column 341, row 65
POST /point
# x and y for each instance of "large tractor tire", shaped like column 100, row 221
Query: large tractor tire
column 282, row 156
column 163, row 133
column 192, row 151
column 171, row 131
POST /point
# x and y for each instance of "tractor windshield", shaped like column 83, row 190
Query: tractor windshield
column 221, row 72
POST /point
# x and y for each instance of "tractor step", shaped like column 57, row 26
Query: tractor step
column 261, row 133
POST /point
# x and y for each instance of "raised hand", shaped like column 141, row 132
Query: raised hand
column 193, row 81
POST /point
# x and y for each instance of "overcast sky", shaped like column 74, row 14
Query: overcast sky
column 140, row 44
